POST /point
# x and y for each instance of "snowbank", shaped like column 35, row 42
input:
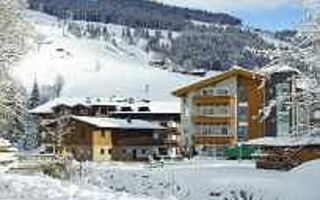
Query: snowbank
column 312, row 167
column 18, row 187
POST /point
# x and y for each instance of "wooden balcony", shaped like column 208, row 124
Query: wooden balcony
column 140, row 142
column 214, row 100
column 214, row 139
column 213, row 119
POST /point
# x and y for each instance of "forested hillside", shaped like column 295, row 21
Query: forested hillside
column 133, row 13
column 214, row 48
column 190, row 39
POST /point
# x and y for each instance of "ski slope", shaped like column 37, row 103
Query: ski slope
column 92, row 67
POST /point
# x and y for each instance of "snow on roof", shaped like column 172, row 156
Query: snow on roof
column 286, row 141
column 278, row 69
column 154, row 106
column 117, row 123
column 71, row 102
column 213, row 75
column 165, row 107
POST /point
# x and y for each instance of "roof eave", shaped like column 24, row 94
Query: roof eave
column 181, row 92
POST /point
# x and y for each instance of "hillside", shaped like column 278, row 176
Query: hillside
column 91, row 67
column 183, row 40
column 132, row 13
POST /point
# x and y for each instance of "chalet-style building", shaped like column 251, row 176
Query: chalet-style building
column 162, row 113
column 55, row 120
column 103, row 139
column 220, row 111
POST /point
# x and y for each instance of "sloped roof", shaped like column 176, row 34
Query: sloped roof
column 154, row 106
column 71, row 102
column 234, row 71
column 113, row 123
column 279, row 69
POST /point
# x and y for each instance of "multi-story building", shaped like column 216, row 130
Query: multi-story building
column 220, row 111
column 280, row 86
column 56, row 116
column 103, row 139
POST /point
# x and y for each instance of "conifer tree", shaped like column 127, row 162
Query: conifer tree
column 32, row 125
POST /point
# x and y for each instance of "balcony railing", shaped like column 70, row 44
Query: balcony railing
column 213, row 119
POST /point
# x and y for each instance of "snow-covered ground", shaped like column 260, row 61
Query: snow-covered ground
column 22, row 187
column 191, row 180
column 187, row 180
column 91, row 67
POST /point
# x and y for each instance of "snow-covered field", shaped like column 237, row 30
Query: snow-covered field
column 208, row 180
column 92, row 67
column 187, row 180
column 20, row 187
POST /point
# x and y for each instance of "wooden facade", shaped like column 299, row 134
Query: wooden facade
column 230, row 100
column 94, row 143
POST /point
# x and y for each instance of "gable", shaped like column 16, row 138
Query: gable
column 211, row 81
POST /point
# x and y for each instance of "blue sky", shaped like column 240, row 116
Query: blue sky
column 266, row 14
column 283, row 17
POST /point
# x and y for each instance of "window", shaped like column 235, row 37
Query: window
column 143, row 151
column 102, row 151
column 222, row 91
column 213, row 109
column 243, row 112
column 207, row 92
column 144, row 109
column 213, row 151
column 109, row 151
column 126, row 109
column 104, row 111
column 164, row 124
column 242, row 132
column 283, row 89
column 217, row 129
